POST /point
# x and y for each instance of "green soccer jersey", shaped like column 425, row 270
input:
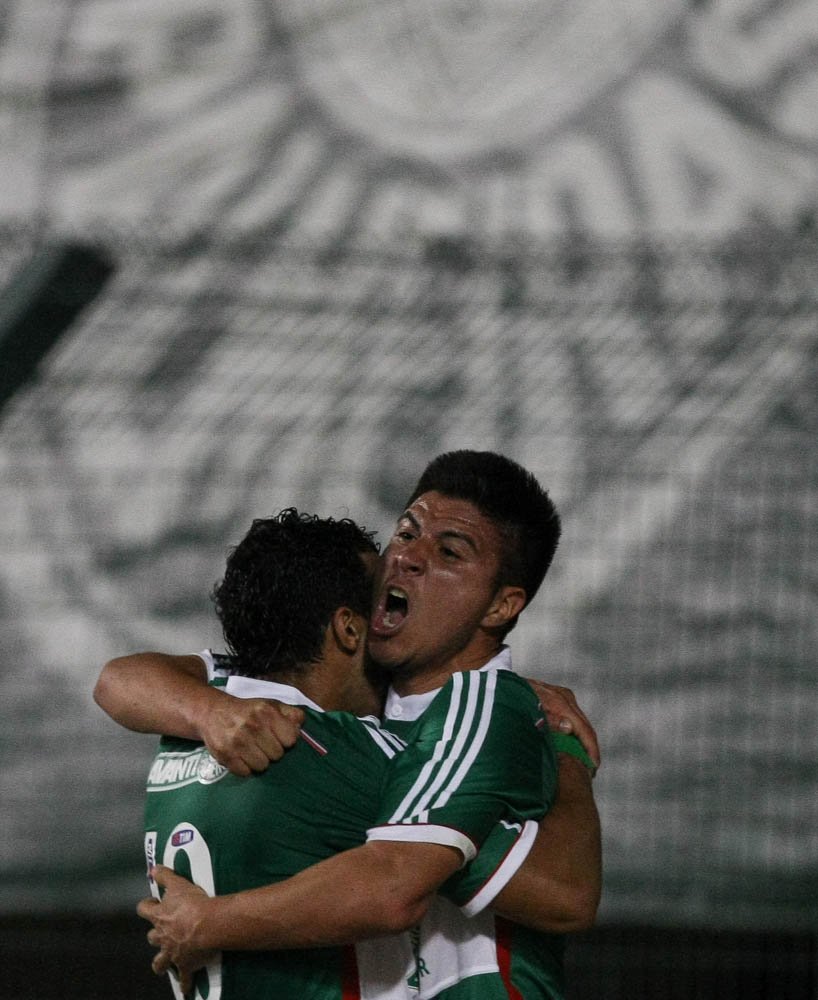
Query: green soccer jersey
column 474, row 757
column 477, row 754
column 228, row 833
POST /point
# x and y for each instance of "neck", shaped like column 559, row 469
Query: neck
column 429, row 678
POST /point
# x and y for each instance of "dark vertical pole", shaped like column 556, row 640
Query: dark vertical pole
column 41, row 302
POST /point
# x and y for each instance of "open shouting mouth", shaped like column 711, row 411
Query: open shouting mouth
column 390, row 611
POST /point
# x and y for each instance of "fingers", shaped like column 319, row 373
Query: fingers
column 564, row 714
column 280, row 727
column 146, row 908
column 246, row 735
column 268, row 745
column 186, row 981
column 242, row 758
column 166, row 878
column 161, row 963
column 235, row 765
column 587, row 737
column 293, row 715
column 186, row 978
column 169, row 933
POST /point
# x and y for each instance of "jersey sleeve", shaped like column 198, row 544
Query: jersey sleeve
column 475, row 758
column 477, row 884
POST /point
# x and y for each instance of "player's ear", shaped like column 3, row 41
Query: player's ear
column 508, row 602
column 348, row 629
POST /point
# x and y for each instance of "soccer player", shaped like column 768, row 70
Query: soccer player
column 467, row 556
column 293, row 603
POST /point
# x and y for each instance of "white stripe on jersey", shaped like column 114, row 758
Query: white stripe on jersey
column 428, row 768
column 507, row 868
column 388, row 742
column 474, row 746
column 452, row 755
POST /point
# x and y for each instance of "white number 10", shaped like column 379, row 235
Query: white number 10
column 185, row 837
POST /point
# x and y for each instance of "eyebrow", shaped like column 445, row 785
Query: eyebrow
column 448, row 533
column 407, row 515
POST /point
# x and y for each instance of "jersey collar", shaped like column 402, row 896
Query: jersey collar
column 252, row 687
column 412, row 706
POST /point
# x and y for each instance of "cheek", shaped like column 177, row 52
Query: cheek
column 458, row 612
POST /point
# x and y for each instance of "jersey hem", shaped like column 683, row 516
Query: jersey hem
column 504, row 872
column 426, row 834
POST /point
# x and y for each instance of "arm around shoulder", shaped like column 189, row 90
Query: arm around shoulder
column 154, row 693
column 163, row 694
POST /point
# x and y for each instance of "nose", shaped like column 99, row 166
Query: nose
column 410, row 557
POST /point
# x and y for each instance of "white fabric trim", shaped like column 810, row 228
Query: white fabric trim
column 206, row 656
column 387, row 742
column 453, row 948
column 509, row 867
column 252, row 687
column 425, row 834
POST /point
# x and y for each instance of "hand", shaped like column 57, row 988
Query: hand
column 247, row 734
column 175, row 918
column 564, row 715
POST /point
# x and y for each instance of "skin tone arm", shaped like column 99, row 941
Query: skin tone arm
column 158, row 693
column 558, row 890
column 387, row 888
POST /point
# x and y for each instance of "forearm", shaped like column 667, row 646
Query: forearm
column 156, row 693
column 361, row 893
column 558, row 887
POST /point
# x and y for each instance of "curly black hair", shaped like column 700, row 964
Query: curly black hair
column 283, row 582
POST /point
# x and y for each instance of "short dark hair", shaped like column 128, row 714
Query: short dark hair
column 510, row 497
column 282, row 584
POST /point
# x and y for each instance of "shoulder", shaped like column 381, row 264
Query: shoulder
column 514, row 686
column 480, row 699
column 361, row 735
column 492, row 685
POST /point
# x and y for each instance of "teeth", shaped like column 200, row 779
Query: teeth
column 392, row 616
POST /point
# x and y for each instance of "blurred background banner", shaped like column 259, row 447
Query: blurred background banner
column 264, row 253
